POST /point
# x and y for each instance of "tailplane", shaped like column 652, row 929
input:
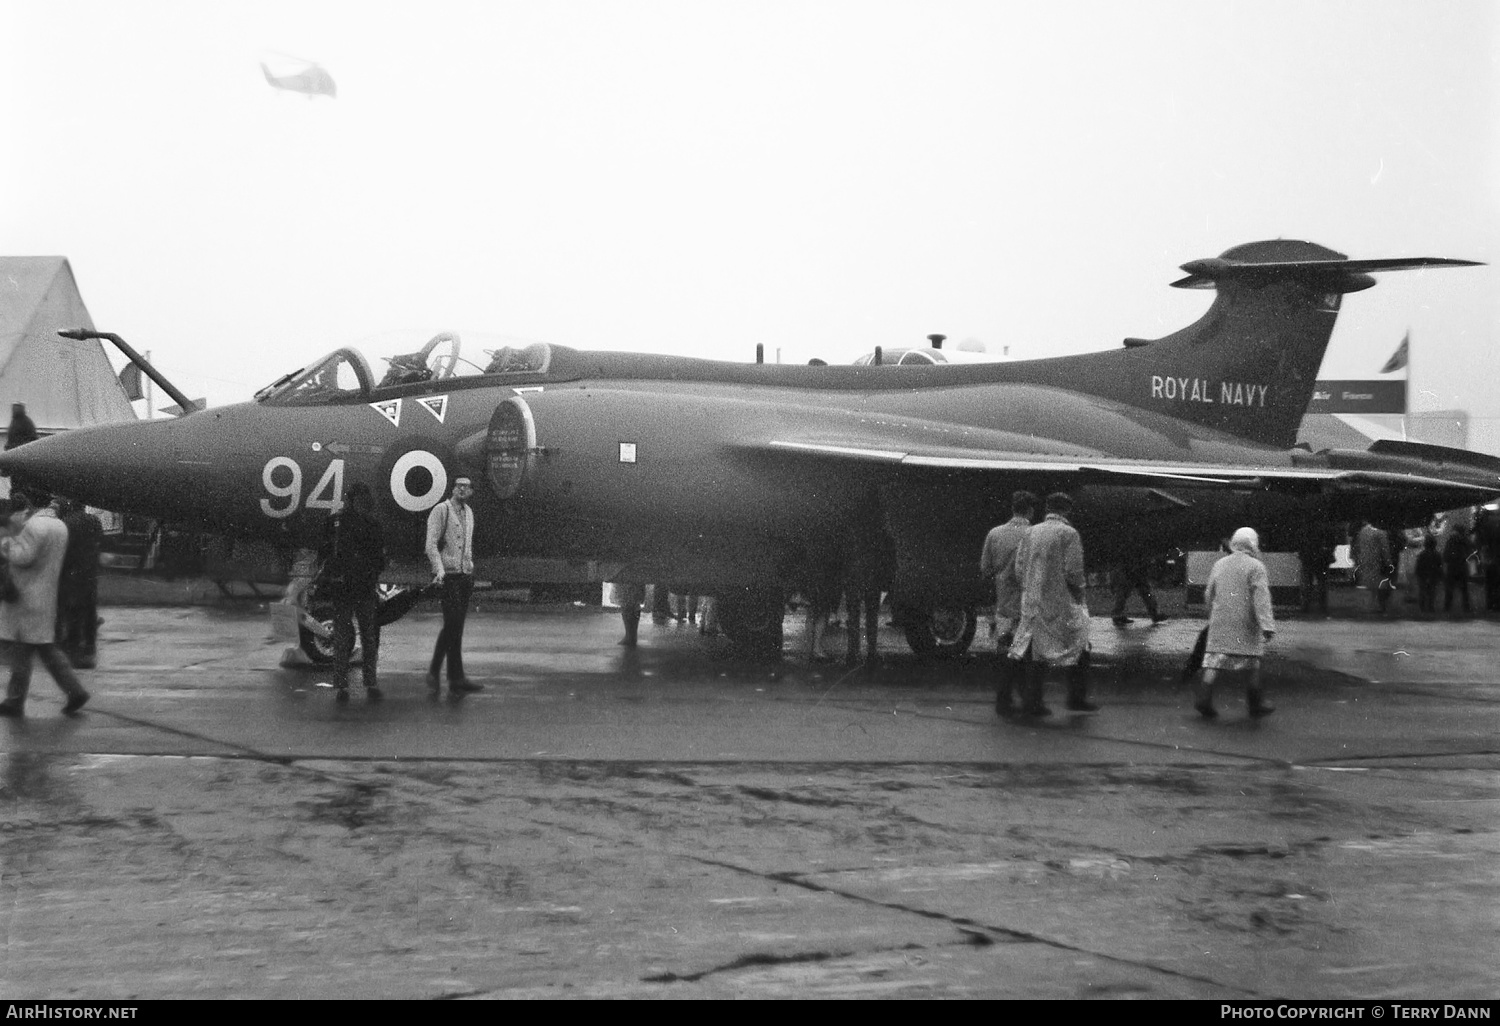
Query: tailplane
column 1249, row 364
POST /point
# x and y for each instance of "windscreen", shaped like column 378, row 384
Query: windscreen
column 340, row 376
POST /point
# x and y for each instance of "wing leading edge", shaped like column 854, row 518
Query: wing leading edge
column 1097, row 470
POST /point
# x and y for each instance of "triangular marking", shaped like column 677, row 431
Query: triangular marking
column 390, row 409
column 437, row 405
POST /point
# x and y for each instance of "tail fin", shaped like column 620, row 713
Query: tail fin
column 1248, row 365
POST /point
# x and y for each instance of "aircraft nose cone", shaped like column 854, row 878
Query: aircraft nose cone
column 115, row 467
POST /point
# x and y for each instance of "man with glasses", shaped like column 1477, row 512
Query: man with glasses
column 450, row 550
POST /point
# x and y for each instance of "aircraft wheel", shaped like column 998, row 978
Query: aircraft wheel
column 945, row 632
column 752, row 622
column 318, row 648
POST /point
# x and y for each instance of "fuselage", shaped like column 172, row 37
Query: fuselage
column 711, row 475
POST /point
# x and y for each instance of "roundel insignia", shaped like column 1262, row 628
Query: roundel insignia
column 419, row 481
column 414, row 475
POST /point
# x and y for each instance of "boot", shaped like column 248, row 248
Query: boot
column 1078, row 682
column 1005, row 699
column 1031, row 694
column 1256, row 703
column 15, row 694
column 1203, row 701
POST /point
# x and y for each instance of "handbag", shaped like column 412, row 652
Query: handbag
column 1195, row 657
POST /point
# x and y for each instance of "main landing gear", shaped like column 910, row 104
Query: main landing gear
column 944, row 632
column 751, row 618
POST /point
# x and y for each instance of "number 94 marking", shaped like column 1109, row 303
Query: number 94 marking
column 282, row 478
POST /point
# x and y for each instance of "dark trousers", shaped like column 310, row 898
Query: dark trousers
column 1314, row 592
column 630, row 597
column 78, row 616
column 1460, row 585
column 346, row 608
column 863, row 602
column 20, row 671
column 1127, row 583
column 450, row 642
column 1010, row 679
column 1034, row 676
column 661, row 603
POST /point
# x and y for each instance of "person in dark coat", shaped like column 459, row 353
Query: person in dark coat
column 630, row 597
column 1456, row 568
column 869, row 566
column 1134, row 575
column 1316, row 553
column 661, row 604
column 1429, row 573
column 1487, row 544
column 78, row 591
column 22, row 429
column 352, row 556
column 822, row 592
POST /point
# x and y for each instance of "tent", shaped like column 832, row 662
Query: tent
column 63, row 382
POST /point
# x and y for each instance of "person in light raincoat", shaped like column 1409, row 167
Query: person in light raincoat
column 1240, row 623
column 1054, row 625
column 997, row 563
column 28, row 623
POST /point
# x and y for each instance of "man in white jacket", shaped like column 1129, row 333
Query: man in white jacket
column 1240, row 623
column 1054, row 625
column 997, row 562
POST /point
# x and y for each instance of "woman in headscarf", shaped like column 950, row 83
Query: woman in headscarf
column 1239, row 623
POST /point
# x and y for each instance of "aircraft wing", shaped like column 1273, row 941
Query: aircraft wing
column 1112, row 470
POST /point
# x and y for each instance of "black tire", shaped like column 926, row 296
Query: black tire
column 751, row 619
column 943, row 633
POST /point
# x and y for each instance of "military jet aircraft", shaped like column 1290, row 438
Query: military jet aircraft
column 745, row 480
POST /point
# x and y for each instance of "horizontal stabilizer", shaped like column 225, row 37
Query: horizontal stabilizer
column 1207, row 274
column 1438, row 454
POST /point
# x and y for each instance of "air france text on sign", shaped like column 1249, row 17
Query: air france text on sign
column 1201, row 390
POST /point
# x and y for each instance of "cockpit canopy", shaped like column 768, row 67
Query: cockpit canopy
column 532, row 359
column 345, row 376
column 342, row 374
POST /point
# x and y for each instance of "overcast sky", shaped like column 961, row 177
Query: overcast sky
column 698, row 177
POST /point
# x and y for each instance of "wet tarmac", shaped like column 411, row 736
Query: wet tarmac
column 668, row 823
